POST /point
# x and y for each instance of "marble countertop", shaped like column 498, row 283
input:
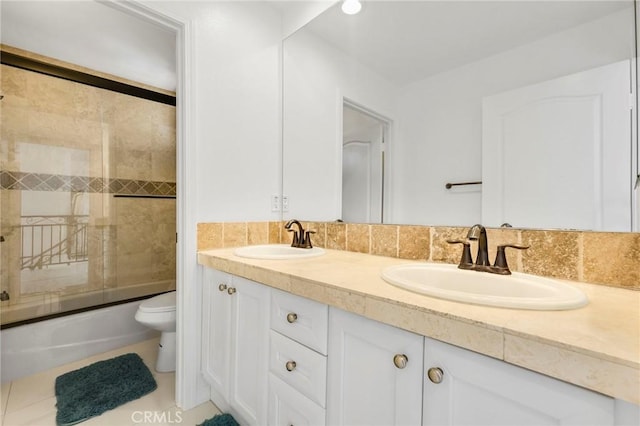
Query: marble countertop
column 596, row 347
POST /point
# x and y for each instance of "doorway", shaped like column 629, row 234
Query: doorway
column 363, row 164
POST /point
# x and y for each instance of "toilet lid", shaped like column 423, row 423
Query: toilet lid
column 163, row 303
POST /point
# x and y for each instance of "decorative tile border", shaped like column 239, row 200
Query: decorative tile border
column 607, row 258
column 45, row 182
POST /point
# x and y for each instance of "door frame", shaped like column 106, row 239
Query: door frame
column 387, row 127
column 190, row 388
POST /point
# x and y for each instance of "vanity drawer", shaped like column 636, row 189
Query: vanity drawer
column 299, row 366
column 301, row 319
column 289, row 407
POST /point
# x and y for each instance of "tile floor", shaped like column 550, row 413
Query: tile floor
column 31, row 400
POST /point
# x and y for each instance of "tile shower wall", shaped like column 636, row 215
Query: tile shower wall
column 71, row 149
column 605, row 258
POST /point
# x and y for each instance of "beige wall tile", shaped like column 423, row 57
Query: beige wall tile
column 131, row 120
column 132, row 211
column 497, row 237
column 59, row 130
column 131, row 164
column 275, row 232
column 210, row 236
column 62, row 97
column 358, row 237
column 164, row 210
column 336, row 236
column 134, row 268
column 612, row 258
column 319, row 239
column 235, row 234
column 441, row 251
column 551, row 254
column 163, row 264
column 164, row 238
column 257, row 233
column 14, row 82
column 163, row 165
column 135, row 238
column 15, row 125
column 414, row 242
column 384, row 240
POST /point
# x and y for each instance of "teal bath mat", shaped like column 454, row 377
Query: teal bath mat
column 220, row 420
column 102, row 386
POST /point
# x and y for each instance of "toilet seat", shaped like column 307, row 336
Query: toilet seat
column 162, row 303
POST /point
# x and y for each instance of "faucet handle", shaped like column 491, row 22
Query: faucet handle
column 500, row 265
column 306, row 242
column 466, row 262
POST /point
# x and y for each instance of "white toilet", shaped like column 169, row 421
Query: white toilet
column 159, row 313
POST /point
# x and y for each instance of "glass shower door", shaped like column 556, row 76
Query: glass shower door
column 87, row 196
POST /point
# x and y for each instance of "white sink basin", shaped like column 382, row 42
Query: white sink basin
column 518, row 290
column 277, row 251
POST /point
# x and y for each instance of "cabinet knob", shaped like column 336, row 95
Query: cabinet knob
column 222, row 287
column 400, row 360
column 290, row 366
column 435, row 374
column 292, row 317
column 231, row 290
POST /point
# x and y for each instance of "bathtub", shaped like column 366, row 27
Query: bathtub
column 31, row 348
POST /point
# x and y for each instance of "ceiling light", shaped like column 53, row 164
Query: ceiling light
column 351, row 7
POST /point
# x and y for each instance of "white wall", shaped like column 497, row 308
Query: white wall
column 440, row 131
column 92, row 35
column 237, row 107
column 231, row 160
column 297, row 13
column 317, row 77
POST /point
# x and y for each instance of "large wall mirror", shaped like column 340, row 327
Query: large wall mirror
column 524, row 107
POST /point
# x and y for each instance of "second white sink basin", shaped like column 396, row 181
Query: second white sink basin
column 518, row 290
column 277, row 251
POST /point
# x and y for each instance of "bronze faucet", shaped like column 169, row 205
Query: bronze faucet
column 479, row 233
column 301, row 238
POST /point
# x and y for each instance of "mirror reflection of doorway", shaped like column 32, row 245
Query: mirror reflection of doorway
column 363, row 146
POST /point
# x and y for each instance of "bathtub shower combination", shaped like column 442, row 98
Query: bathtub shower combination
column 83, row 170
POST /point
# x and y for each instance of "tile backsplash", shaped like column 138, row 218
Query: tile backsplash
column 607, row 258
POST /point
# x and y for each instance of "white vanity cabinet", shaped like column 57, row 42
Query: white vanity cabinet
column 374, row 373
column 297, row 361
column 235, row 344
column 466, row 388
column 273, row 358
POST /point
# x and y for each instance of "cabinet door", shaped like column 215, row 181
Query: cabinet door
column 478, row 390
column 249, row 350
column 216, row 313
column 364, row 386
